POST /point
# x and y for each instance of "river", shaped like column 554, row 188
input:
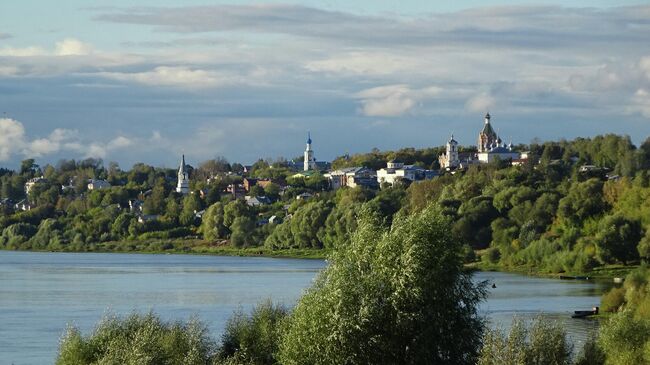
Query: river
column 41, row 293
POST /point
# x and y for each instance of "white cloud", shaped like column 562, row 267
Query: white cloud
column 72, row 47
column 371, row 63
column 14, row 141
column 180, row 76
column 644, row 65
column 393, row 100
column 23, row 52
column 12, row 137
column 480, row 103
column 641, row 103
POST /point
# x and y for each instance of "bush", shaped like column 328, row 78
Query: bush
column 626, row 340
column 544, row 342
column 491, row 255
column 613, row 300
column 591, row 354
column 138, row 339
column 397, row 296
column 254, row 338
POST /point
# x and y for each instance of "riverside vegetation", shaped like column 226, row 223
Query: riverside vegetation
column 550, row 217
column 395, row 294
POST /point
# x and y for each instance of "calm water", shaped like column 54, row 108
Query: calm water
column 42, row 292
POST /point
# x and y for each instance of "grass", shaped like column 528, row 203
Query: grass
column 191, row 247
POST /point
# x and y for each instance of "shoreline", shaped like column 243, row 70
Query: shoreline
column 199, row 247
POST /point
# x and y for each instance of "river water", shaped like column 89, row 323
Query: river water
column 41, row 293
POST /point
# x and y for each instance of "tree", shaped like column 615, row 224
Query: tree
column 212, row 225
column 585, row 199
column 617, row 239
column 243, row 231
column 397, row 296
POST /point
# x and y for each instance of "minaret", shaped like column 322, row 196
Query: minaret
column 183, row 185
column 309, row 162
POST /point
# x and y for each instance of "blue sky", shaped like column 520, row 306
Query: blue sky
column 145, row 80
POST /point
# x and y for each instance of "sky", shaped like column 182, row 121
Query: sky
column 146, row 80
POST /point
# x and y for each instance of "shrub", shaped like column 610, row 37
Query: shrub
column 397, row 296
column 138, row 339
column 254, row 338
column 544, row 342
column 613, row 300
column 591, row 354
column 625, row 340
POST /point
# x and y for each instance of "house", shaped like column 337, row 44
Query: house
column 249, row 183
column 144, row 218
column 31, row 182
column 98, row 184
column 397, row 171
column 255, row 201
column 24, row 205
column 352, row 177
column 498, row 152
column 135, row 205
column 304, row 196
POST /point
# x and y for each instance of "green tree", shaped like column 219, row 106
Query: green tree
column 212, row 225
column 617, row 239
column 397, row 296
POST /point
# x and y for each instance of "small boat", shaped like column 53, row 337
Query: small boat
column 584, row 314
column 567, row 277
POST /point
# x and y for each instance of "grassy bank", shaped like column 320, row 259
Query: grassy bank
column 192, row 247
column 601, row 272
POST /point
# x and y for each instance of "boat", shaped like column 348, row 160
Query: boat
column 584, row 314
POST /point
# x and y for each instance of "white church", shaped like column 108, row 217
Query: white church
column 490, row 148
column 183, row 184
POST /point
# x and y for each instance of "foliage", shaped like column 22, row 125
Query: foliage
column 390, row 296
column 544, row 342
column 253, row 339
column 138, row 339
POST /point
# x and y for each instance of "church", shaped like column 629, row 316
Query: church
column 183, row 183
column 489, row 148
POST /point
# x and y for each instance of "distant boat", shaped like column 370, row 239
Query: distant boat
column 584, row 314
column 568, row 277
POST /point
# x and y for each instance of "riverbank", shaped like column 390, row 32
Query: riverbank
column 607, row 272
column 189, row 247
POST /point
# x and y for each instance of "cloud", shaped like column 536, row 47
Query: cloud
column 5, row 35
column 393, row 100
column 22, row 52
column 72, row 47
column 180, row 76
column 375, row 63
column 14, row 141
column 12, row 134
column 480, row 103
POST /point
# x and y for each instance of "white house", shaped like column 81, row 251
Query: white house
column 98, row 184
column 397, row 171
column 500, row 152
column 31, row 182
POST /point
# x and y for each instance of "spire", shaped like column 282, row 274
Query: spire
column 487, row 118
column 181, row 168
column 308, row 137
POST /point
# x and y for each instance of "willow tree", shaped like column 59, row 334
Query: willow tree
column 392, row 296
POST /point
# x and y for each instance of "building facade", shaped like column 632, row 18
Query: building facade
column 183, row 184
column 450, row 159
